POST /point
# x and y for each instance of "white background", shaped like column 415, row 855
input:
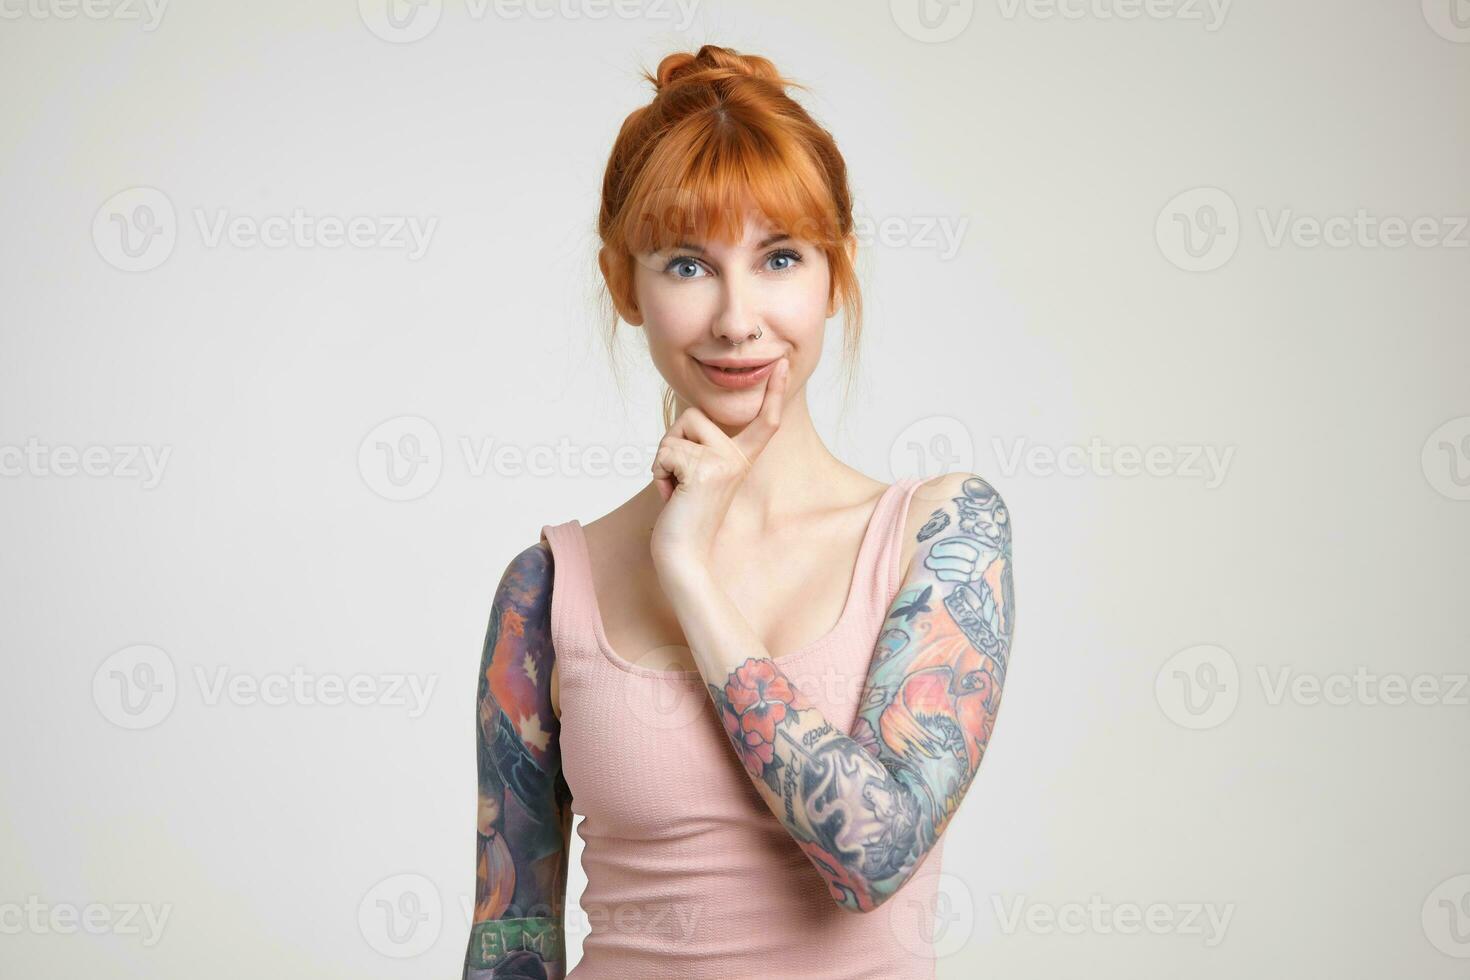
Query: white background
column 1335, row 539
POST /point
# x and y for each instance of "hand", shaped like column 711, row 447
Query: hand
column 698, row 469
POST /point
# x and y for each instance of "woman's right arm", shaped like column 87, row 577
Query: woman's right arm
column 525, row 814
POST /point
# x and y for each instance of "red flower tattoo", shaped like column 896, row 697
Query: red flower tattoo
column 762, row 698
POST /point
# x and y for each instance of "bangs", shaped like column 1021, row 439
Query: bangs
column 707, row 175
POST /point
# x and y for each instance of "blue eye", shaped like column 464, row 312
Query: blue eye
column 690, row 262
column 682, row 261
column 787, row 253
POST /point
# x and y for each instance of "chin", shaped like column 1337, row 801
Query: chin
column 734, row 408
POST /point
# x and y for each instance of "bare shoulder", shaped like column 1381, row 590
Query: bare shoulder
column 960, row 499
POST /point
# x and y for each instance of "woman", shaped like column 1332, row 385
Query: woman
column 766, row 680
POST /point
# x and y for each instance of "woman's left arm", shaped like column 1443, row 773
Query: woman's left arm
column 867, row 806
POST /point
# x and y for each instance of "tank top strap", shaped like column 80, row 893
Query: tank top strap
column 573, row 608
column 886, row 574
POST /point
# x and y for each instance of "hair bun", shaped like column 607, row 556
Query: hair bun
column 712, row 63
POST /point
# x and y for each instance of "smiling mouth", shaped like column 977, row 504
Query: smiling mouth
column 737, row 374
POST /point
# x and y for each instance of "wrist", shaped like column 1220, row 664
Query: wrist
column 682, row 573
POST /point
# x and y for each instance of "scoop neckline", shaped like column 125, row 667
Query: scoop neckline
column 848, row 605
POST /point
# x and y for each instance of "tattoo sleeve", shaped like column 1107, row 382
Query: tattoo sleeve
column 524, row 802
column 867, row 806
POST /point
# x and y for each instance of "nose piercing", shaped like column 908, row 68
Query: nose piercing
column 754, row 336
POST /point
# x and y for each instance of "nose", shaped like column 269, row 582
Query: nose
column 736, row 321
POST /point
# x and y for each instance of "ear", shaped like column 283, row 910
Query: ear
column 619, row 278
column 850, row 245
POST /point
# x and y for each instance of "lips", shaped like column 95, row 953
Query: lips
column 737, row 374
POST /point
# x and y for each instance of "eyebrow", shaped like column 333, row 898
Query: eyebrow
column 780, row 236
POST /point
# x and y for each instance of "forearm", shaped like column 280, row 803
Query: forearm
column 859, row 820
column 520, row 949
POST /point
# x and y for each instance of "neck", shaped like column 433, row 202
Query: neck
column 796, row 473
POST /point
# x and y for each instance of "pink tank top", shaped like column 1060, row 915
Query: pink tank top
column 689, row 875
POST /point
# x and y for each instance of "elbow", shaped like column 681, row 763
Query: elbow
column 867, row 895
column 860, row 902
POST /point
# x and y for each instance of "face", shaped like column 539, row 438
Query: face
column 701, row 303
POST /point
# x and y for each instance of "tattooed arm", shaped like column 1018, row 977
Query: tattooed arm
column 525, row 804
column 868, row 806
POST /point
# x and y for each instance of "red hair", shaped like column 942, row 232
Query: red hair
column 722, row 137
